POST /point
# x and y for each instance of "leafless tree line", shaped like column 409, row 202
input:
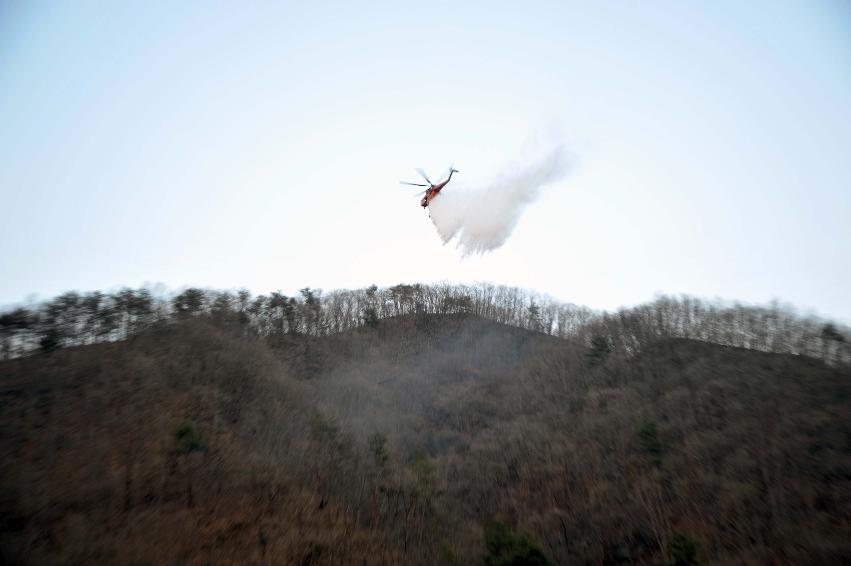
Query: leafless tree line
column 74, row 319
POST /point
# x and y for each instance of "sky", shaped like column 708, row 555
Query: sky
column 260, row 145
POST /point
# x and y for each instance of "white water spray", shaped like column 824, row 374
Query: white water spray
column 482, row 217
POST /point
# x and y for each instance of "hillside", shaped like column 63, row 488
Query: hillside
column 421, row 438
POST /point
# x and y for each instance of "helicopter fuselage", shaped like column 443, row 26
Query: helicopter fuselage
column 434, row 190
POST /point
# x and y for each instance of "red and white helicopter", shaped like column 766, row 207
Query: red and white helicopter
column 433, row 188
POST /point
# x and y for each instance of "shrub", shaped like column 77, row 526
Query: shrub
column 684, row 550
column 600, row 349
column 370, row 317
column 648, row 436
column 378, row 447
column 188, row 439
column 323, row 427
column 507, row 548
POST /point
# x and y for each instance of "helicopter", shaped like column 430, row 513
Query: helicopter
column 433, row 189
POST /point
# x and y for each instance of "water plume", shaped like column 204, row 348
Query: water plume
column 481, row 216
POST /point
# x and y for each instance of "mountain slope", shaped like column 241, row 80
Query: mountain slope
column 401, row 443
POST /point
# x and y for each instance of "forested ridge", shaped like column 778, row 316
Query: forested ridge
column 76, row 318
column 421, row 424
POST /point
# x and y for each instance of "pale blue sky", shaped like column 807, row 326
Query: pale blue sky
column 227, row 145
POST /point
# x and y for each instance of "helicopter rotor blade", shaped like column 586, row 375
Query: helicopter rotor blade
column 424, row 176
column 414, row 184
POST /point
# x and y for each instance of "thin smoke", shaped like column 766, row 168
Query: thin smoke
column 481, row 217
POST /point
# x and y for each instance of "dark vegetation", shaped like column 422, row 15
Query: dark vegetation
column 427, row 425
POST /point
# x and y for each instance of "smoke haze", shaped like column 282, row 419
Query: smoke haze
column 481, row 216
